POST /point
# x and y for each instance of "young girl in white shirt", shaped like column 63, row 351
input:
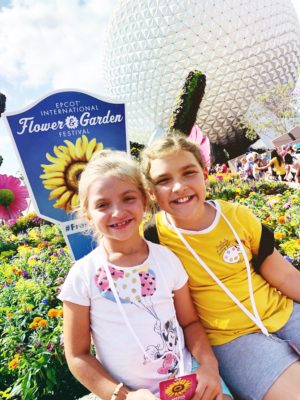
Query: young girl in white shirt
column 131, row 296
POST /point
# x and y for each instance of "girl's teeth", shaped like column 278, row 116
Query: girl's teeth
column 120, row 224
column 183, row 199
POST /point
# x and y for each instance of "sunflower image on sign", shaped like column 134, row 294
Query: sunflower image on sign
column 182, row 388
column 62, row 175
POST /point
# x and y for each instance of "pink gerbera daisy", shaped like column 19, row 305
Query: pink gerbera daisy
column 12, row 197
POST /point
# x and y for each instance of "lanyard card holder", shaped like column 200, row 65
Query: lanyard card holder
column 180, row 388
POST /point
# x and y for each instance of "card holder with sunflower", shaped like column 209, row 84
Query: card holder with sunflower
column 181, row 388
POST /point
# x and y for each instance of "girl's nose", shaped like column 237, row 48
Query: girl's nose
column 117, row 210
column 177, row 186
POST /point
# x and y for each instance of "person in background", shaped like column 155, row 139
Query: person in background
column 296, row 164
column 289, row 162
column 283, row 150
column 256, row 170
column 224, row 168
column 247, row 170
column 277, row 164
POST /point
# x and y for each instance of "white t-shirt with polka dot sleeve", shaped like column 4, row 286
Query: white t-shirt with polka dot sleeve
column 145, row 292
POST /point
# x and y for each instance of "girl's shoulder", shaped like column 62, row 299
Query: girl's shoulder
column 160, row 250
column 89, row 261
column 234, row 210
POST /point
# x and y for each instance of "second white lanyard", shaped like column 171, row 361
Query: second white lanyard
column 255, row 316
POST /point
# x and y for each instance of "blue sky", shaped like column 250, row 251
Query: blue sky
column 50, row 45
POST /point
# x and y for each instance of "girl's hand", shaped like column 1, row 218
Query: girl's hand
column 141, row 394
column 209, row 385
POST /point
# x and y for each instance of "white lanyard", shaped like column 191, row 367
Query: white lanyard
column 129, row 326
column 254, row 317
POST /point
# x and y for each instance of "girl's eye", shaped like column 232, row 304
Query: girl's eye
column 128, row 199
column 162, row 181
column 191, row 172
column 101, row 206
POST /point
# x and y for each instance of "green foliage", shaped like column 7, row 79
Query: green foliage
column 187, row 103
column 32, row 269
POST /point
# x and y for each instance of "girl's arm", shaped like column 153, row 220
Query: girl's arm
column 282, row 275
column 209, row 381
column 83, row 365
column 266, row 166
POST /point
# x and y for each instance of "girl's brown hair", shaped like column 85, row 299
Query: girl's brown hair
column 173, row 142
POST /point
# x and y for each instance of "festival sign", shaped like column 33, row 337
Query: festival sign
column 54, row 139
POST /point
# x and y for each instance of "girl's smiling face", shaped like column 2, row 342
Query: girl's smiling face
column 116, row 208
column 179, row 187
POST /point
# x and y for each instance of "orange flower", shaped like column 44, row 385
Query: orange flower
column 53, row 313
column 37, row 319
column 42, row 244
column 281, row 219
column 43, row 323
column 33, row 325
column 13, row 364
column 9, row 315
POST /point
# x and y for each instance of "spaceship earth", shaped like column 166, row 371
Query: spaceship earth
column 242, row 46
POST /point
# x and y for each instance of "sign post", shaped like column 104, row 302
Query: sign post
column 54, row 139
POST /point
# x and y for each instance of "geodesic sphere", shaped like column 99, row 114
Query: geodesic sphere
column 242, row 46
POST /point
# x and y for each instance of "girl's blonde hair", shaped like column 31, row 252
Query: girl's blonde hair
column 106, row 163
column 173, row 142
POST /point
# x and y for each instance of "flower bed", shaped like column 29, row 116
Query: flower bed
column 275, row 203
column 33, row 264
column 34, row 261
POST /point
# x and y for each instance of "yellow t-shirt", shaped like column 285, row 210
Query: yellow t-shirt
column 218, row 248
column 279, row 169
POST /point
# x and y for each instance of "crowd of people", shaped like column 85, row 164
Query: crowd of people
column 278, row 164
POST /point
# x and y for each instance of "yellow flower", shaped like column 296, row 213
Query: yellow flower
column 53, row 313
column 24, row 248
column 37, row 319
column 32, row 261
column 178, row 388
column 9, row 315
column 13, row 364
column 62, row 175
column 5, row 395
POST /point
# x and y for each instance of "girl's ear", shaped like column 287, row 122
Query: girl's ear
column 205, row 173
